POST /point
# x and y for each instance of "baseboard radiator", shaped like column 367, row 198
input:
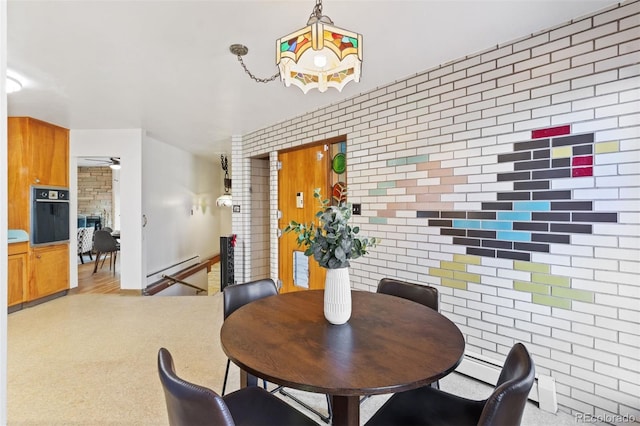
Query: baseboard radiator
column 487, row 370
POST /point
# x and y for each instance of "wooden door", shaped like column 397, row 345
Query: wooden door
column 302, row 171
column 49, row 267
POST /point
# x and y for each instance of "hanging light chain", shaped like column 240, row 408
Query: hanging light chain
column 317, row 10
column 253, row 77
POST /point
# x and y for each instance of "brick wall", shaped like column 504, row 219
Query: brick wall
column 510, row 180
column 95, row 192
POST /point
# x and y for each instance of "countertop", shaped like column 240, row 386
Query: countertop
column 17, row 236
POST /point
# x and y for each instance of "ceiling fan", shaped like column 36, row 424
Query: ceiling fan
column 113, row 162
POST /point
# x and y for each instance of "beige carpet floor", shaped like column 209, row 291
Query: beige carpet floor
column 91, row 360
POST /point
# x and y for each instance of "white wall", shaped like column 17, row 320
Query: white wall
column 178, row 198
column 126, row 144
column 3, row 213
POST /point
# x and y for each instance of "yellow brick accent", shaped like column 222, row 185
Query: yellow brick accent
column 561, row 152
column 531, row 267
column 569, row 293
column 557, row 302
column 453, row 266
column 466, row 276
column 437, row 272
column 531, row 287
column 550, row 279
column 604, row 147
column 454, row 283
column 468, row 259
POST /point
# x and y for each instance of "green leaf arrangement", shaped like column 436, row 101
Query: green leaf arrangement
column 333, row 242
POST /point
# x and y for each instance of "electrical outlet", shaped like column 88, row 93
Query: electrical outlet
column 356, row 209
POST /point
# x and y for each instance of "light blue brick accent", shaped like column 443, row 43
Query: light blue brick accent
column 374, row 192
column 418, row 159
column 491, row 224
column 378, row 220
column 391, row 184
column 532, row 206
column 397, row 162
column 514, row 236
column 521, row 216
column 470, row 224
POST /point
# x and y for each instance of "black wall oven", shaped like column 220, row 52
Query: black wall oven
column 49, row 215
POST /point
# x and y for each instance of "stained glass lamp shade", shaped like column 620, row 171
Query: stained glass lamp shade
column 319, row 56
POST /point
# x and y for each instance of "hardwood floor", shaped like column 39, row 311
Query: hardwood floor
column 103, row 281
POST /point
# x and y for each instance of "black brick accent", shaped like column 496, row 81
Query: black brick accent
column 514, row 255
column 546, row 216
column 529, row 145
column 552, row 174
column 482, row 215
column 505, row 177
column 583, row 149
column 551, row 238
column 497, row 206
column 506, row 196
column 481, row 252
column 498, row 244
column 451, row 231
column 571, row 228
column 572, row 140
column 561, row 162
column 552, row 195
column 475, row 233
column 531, row 165
column 543, row 248
column 572, row 205
column 533, row 184
column 438, row 222
column 594, row 217
column 543, row 153
column 466, row 241
column 427, row 214
column 530, row 226
column 517, row 156
column 453, row 215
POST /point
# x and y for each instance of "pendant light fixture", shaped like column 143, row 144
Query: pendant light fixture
column 225, row 199
column 317, row 56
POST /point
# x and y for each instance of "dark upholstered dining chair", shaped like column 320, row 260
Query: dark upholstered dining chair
column 237, row 295
column 189, row 404
column 428, row 406
column 423, row 294
column 104, row 243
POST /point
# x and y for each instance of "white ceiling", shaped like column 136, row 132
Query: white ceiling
column 165, row 66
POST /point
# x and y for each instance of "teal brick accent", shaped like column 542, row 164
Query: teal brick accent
column 397, row 162
column 469, row 224
column 492, row 224
column 378, row 220
column 391, row 184
column 418, row 159
column 520, row 216
column 514, row 236
column 532, row 206
column 374, row 192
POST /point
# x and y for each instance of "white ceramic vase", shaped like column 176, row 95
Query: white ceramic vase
column 337, row 296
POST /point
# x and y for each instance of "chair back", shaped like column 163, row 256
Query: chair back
column 237, row 295
column 81, row 232
column 423, row 294
column 187, row 403
column 103, row 242
column 506, row 404
column 87, row 239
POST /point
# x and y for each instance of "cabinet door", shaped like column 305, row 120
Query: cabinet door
column 49, row 270
column 17, row 270
column 19, row 178
column 49, row 154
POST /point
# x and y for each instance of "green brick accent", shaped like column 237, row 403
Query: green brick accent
column 550, row 279
column 605, row 147
column 465, row 276
column 519, row 265
column 569, row 293
column 556, row 302
column 468, row 259
column 454, row 283
column 454, row 266
column 416, row 159
column 437, row 272
column 391, row 184
column 531, row 287
column 397, row 162
column 378, row 220
column 374, row 192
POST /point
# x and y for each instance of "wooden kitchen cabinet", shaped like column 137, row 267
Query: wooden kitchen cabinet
column 49, row 267
column 18, row 273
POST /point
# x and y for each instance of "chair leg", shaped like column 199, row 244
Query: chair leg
column 81, row 259
column 115, row 256
column 226, row 375
column 326, row 419
column 95, row 268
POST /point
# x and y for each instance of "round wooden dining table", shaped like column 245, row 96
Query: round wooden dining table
column 388, row 345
